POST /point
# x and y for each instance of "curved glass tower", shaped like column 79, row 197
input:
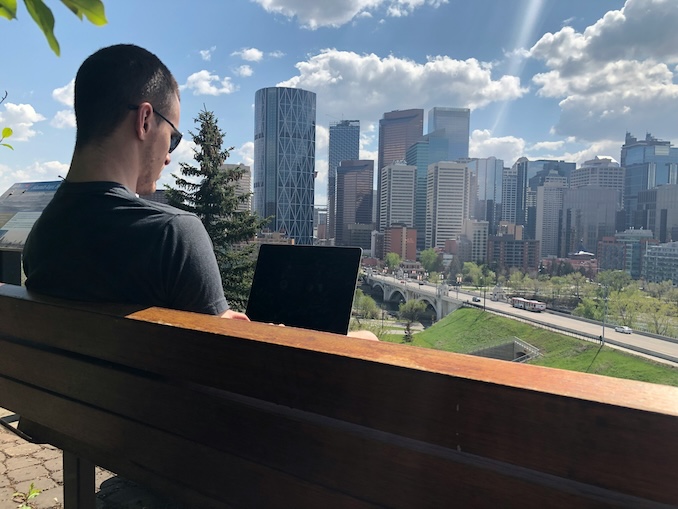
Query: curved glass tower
column 284, row 160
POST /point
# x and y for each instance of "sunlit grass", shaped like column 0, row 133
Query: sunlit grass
column 468, row 330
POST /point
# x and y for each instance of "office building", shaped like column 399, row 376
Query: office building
column 398, row 182
column 648, row 163
column 398, row 130
column 354, row 203
column 589, row 215
column 284, row 160
column 522, row 182
column 476, row 232
column 344, row 145
column 635, row 243
column 431, row 148
column 661, row 263
column 600, row 172
column 548, row 213
column 402, row 240
column 456, row 125
column 243, row 186
column 657, row 211
column 507, row 253
column 448, row 196
column 488, row 175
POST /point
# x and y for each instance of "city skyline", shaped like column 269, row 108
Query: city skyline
column 506, row 63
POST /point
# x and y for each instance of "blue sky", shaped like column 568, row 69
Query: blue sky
column 543, row 78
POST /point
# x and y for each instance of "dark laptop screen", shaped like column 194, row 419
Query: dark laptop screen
column 305, row 286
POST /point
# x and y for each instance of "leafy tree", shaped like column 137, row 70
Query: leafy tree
column 365, row 305
column 210, row 194
column 576, row 279
column 589, row 308
column 472, row 273
column 431, row 260
column 409, row 312
column 93, row 10
column 6, row 132
column 658, row 313
column 626, row 305
column 434, row 277
column 614, row 280
column 392, row 261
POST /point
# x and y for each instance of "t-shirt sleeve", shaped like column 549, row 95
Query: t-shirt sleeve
column 189, row 267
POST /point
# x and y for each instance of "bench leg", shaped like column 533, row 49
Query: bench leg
column 78, row 482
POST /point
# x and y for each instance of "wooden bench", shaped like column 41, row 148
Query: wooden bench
column 220, row 413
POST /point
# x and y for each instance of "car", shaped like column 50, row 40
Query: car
column 623, row 329
column 476, row 299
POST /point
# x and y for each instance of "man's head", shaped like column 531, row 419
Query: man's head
column 113, row 79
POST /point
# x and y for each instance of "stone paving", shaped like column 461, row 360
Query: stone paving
column 23, row 463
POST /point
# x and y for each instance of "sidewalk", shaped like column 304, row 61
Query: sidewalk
column 23, row 463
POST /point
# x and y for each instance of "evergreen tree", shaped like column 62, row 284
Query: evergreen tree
column 209, row 192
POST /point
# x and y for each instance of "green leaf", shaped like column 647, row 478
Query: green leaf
column 7, row 132
column 6, row 145
column 92, row 9
column 8, row 9
column 42, row 15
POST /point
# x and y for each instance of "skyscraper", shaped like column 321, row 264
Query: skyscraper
column 648, row 163
column 243, row 186
column 397, row 195
column 398, row 130
column 548, row 218
column 431, row 148
column 354, row 203
column 456, row 123
column 447, row 202
column 284, row 160
column 487, row 206
column 344, row 145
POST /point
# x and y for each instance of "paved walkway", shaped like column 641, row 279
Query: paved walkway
column 23, row 463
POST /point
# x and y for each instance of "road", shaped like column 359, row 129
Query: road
column 633, row 341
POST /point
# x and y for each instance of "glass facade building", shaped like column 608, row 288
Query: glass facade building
column 284, row 160
column 648, row 163
column 398, row 130
column 344, row 145
column 354, row 202
column 456, row 123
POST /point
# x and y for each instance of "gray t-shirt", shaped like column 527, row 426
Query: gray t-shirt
column 98, row 242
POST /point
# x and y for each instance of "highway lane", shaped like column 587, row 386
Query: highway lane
column 634, row 340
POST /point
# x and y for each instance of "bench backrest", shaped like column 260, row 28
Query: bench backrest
column 221, row 413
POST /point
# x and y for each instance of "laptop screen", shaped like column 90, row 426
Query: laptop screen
column 305, row 286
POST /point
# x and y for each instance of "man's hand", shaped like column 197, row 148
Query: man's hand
column 235, row 315
column 362, row 334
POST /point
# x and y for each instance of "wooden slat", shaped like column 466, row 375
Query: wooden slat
column 336, row 405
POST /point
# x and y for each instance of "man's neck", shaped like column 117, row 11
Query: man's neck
column 96, row 164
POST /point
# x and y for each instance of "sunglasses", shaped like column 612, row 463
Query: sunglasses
column 176, row 135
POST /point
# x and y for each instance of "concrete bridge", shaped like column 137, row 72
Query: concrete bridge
column 436, row 297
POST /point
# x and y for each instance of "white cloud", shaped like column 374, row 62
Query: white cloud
column 64, row 119
column 546, row 145
column 204, row 83
column 276, row 54
column 64, row 95
column 313, row 14
column 344, row 79
column 249, row 54
column 616, row 75
column 246, row 153
column 38, row 171
column 507, row 148
column 244, row 70
column 206, row 54
column 21, row 118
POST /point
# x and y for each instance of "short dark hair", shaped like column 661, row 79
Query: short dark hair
column 113, row 78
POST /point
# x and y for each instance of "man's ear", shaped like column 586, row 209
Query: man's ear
column 142, row 120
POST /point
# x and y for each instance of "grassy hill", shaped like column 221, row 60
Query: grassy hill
column 467, row 330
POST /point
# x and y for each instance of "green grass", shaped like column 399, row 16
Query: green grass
column 467, row 330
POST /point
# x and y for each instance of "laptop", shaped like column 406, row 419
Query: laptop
column 311, row 287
